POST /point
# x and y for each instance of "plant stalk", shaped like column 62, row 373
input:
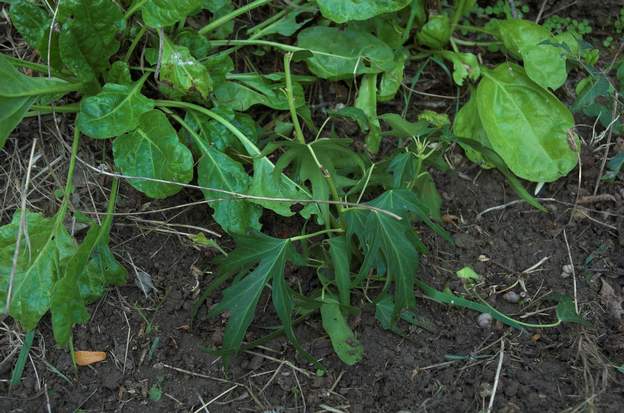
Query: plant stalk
column 291, row 99
column 231, row 16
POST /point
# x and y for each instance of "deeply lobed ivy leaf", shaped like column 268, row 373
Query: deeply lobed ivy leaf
column 154, row 151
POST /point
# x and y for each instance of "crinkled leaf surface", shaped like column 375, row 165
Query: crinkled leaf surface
column 544, row 62
column 344, row 342
column 31, row 21
column 465, row 65
column 345, row 10
column 218, row 170
column 525, row 124
column 184, row 73
column 436, row 33
column 89, row 35
column 41, row 257
column 342, row 54
column 117, row 109
column 153, row 150
column 164, row 13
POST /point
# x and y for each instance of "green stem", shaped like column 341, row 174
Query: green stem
column 255, row 31
column 134, row 8
column 255, row 42
column 69, row 184
column 473, row 43
column 38, row 67
column 459, row 7
column 291, row 99
column 315, row 234
column 70, row 108
column 134, row 43
column 232, row 15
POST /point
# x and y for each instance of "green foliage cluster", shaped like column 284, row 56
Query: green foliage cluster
column 170, row 100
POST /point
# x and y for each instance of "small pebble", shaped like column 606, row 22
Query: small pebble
column 568, row 268
column 511, row 297
column 484, row 320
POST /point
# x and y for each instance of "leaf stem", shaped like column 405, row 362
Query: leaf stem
column 134, row 8
column 473, row 43
column 36, row 66
column 134, row 43
column 315, row 234
column 291, row 99
column 69, row 108
column 231, row 16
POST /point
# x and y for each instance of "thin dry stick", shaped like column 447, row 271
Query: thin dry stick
column 565, row 238
column 22, row 229
column 498, row 373
column 214, row 399
column 541, row 11
column 607, row 146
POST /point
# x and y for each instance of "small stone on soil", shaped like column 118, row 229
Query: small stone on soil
column 484, row 320
column 511, row 297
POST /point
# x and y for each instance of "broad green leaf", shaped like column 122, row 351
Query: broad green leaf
column 256, row 90
column 525, row 124
column 266, row 183
column 367, row 101
column 468, row 125
column 467, row 273
column 18, row 92
column 392, row 79
column 402, row 128
column 117, row 109
column 463, row 7
column 436, row 33
column 269, row 256
column 347, row 10
column 218, row 135
column 340, row 261
column 182, row 72
column 355, row 114
column 42, row 253
column 154, row 151
column 344, row 342
column 465, row 65
column 544, row 63
column 119, row 73
column 219, row 171
column 343, row 54
column 88, row 36
column 287, row 25
column 164, row 13
column 31, row 21
column 594, row 95
column 102, row 270
column 197, row 44
column 566, row 311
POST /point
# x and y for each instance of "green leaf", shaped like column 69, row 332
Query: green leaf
column 256, row 90
column 525, row 124
column 385, row 309
column 32, row 23
column 544, row 62
column 154, row 151
column 401, row 128
column 119, row 73
column 392, row 79
column 88, row 36
column 18, row 92
column 269, row 256
column 468, row 125
column 343, row 54
column 217, row 170
column 436, row 33
column 164, row 13
column 465, row 65
column 340, row 261
column 287, row 25
column 182, row 72
column 347, row 10
column 614, row 166
column 367, row 102
column 117, row 109
column 468, row 274
column 42, row 254
column 566, row 311
column 344, row 342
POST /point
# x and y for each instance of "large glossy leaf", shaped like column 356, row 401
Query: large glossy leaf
column 114, row 111
column 42, row 254
column 346, row 10
column 269, row 256
column 217, row 170
column 525, row 124
column 88, row 36
column 468, row 125
column 342, row 54
column 154, row 151
column 164, row 13
column 544, row 62
column 182, row 72
column 344, row 342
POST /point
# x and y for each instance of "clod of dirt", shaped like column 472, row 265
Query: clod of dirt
column 612, row 300
column 485, row 320
column 511, row 297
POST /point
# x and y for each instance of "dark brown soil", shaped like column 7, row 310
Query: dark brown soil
column 156, row 362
